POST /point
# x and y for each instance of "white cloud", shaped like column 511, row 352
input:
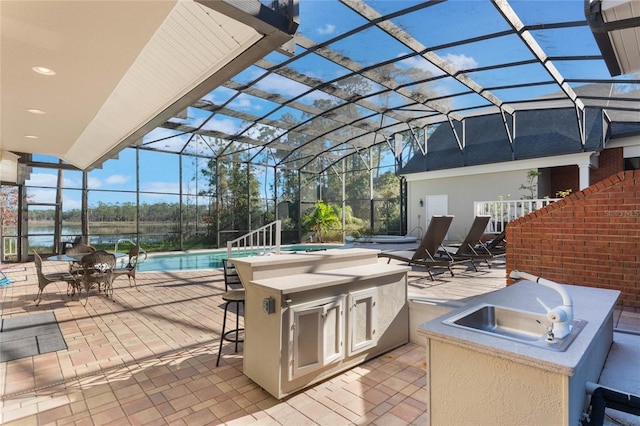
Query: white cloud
column 459, row 62
column 242, row 102
column 42, row 179
column 40, row 195
column 163, row 187
column 227, row 126
column 94, row 183
column 222, row 94
column 282, row 85
column 71, row 204
column 327, row 29
column 117, row 179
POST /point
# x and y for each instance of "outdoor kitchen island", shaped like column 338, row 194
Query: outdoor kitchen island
column 309, row 316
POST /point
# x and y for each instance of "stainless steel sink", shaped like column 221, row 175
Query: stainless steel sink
column 516, row 325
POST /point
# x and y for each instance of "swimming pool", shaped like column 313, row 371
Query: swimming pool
column 181, row 261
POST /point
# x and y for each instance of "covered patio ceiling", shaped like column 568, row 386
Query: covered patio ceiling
column 81, row 80
column 365, row 70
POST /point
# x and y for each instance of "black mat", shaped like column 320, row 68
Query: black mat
column 29, row 335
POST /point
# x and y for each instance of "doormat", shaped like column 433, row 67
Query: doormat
column 29, row 335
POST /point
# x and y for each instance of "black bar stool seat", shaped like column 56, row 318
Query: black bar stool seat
column 237, row 297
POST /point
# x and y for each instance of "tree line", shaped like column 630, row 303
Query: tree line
column 120, row 212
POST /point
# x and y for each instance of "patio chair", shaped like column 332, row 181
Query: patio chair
column 497, row 246
column 425, row 254
column 471, row 248
column 233, row 293
column 97, row 269
column 130, row 269
column 46, row 279
column 66, row 245
column 76, row 251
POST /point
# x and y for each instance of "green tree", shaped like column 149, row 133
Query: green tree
column 321, row 218
column 531, row 184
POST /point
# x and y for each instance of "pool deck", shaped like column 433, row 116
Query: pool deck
column 149, row 358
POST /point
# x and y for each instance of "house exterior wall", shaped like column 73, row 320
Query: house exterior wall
column 590, row 238
column 462, row 191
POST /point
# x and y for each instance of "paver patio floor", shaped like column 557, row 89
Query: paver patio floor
column 149, row 358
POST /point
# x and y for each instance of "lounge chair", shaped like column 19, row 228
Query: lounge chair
column 425, row 254
column 497, row 246
column 471, row 248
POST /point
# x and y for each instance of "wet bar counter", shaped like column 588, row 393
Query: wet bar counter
column 312, row 315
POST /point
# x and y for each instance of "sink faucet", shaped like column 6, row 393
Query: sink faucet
column 560, row 316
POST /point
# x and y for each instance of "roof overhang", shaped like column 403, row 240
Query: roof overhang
column 616, row 27
column 121, row 68
column 584, row 159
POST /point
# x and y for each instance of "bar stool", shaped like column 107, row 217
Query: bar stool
column 231, row 280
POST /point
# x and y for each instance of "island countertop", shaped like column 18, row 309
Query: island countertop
column 590, row 304
column 334, row 277
column 283, row 265
column 317, row 255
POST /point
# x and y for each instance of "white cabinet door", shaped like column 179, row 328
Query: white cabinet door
column 315, row 335
column 363, row 320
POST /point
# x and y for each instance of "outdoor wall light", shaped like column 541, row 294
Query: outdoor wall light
column 421, row 203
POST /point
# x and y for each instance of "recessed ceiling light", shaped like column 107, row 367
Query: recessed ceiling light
column 44, row 70
column 36, row 111
column 30, row 137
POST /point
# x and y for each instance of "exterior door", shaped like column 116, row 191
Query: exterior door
column 436, row 205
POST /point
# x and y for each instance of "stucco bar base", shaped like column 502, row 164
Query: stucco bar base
column 477, row 379
column 311, row 316
column 473, row 388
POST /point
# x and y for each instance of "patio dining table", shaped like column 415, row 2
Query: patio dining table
column 96, row 272
column 78, row 258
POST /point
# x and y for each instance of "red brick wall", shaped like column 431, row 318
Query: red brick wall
column 610, row 162
column 590, row 238
column 563, row 178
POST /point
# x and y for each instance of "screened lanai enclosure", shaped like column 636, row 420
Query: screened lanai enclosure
column 203, row 202
column 332, row 114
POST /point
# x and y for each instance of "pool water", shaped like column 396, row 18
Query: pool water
column 208, row 259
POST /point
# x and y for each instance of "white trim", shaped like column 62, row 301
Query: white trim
column 580, row 159
column 631, row 151
column 624, row 142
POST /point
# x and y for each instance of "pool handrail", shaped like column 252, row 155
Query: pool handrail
column 127, row 240
column 264, row 240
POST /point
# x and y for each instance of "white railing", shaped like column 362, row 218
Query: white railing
column 504, row 211
column 259, row 242
column 9, row 247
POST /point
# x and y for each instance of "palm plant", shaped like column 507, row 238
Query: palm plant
column 322, row 218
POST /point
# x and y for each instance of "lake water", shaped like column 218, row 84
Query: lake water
column 42, row 236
